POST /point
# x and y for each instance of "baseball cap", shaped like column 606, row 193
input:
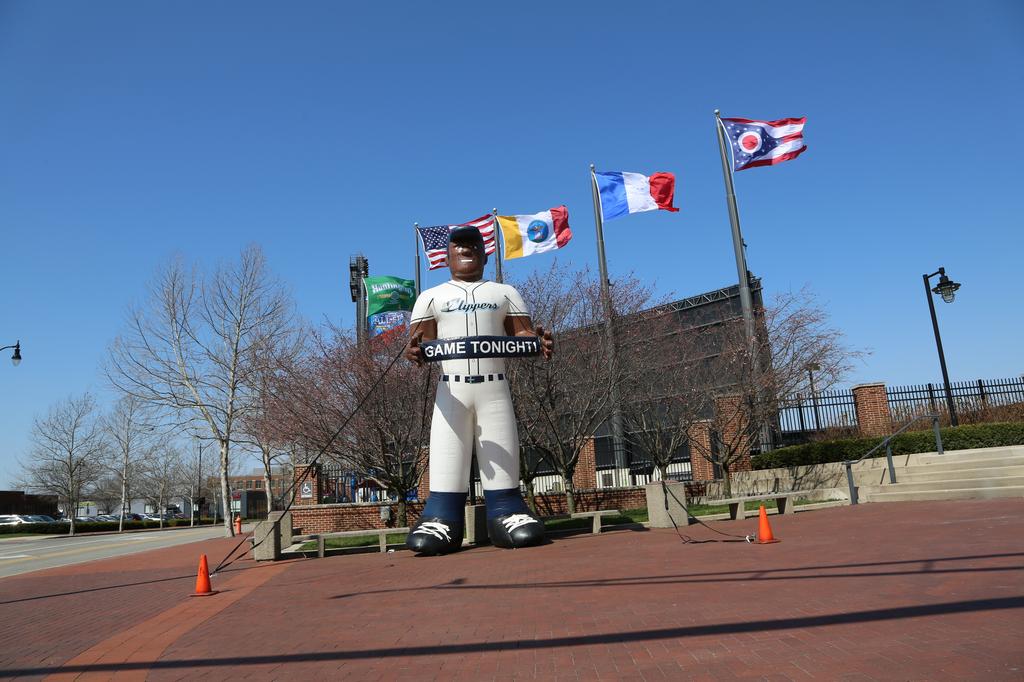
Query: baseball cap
column 465, row 232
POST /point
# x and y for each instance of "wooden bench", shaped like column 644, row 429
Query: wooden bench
column 596, row 516
column 737, row 508
column 321, row 538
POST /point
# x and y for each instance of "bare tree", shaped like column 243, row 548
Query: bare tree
column 106, row 493
column 261, row 433
column 530, row 463
column 193, row 349
column 388, row 436
column 163, row 476
column 663, row 380
column 561, row 402
column 731, row 388
column 197, row 471
column 131, row 434
column 67, row 453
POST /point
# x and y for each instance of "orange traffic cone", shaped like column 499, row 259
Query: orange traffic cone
column 764, row 529
column 203, row 580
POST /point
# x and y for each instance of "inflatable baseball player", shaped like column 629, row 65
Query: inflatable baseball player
column 471, row 325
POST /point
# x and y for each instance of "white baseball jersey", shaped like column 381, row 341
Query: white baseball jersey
column 464, row 309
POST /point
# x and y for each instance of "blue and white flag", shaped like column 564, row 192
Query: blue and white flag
column 624, row 193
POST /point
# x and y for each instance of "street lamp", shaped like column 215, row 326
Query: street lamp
column 813, row 367
column 947, row 289
column 16, row 358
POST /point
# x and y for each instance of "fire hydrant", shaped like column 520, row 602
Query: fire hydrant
column 238, row 524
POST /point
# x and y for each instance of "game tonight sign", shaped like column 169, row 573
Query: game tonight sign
column 472, row 347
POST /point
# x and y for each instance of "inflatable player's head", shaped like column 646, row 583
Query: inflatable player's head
column 466, row 254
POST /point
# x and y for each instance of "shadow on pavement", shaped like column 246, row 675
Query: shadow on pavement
column 729, row 576
column 553, row 643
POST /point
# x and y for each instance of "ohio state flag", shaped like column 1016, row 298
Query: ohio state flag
column 764, row 143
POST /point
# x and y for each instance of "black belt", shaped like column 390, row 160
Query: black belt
column 472, row 378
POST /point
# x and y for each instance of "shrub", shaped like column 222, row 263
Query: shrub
column 953, row 438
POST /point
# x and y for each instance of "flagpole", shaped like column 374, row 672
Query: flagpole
column 601, row 263
column 497, row 248
column 746, row 301
column 618, row 441
column 416, row 238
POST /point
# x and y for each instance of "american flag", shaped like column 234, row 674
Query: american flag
column 764, row 143
column 435, row 239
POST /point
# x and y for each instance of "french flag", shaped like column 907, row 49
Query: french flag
column 624, row 193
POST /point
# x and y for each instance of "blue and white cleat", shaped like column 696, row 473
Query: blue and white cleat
column 515, row 530
column 433, row 535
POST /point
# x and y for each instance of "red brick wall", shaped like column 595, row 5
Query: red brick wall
column 872, row 404
column 594, row 499
column 328, row 518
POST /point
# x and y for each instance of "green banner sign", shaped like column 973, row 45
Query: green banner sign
column 388, row 294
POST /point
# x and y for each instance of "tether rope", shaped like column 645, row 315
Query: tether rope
column 686, row 538
column 224, row 563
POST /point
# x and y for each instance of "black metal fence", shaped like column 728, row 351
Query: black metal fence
column 968, row 396
column 818, row 412
column 802, row 415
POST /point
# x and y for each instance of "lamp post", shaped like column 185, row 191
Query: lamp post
column 812, row 367
column 199, row 487
column 947, row 289
column 16, row 358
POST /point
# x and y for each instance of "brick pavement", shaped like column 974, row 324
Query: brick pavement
column 925, row 590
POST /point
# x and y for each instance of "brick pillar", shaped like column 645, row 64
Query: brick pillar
column 700, row 441
column 423, row 489
column 731, row 419
column 308, row 491
column 872, row 404
column 585, row 476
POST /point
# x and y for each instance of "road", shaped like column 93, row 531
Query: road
column 24, row 555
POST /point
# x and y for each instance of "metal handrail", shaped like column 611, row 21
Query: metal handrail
column 888, row 452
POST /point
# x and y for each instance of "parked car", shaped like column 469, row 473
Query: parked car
column 43, row 518
column 10, row 520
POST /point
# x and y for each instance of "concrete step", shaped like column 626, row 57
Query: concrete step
column 926, row 473
column 967, row 458
column 979, row 453
column 948, row 484
column 938, row 465
column 966, row 462
column 951, row 494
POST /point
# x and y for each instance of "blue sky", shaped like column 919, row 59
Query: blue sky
column 130, row 132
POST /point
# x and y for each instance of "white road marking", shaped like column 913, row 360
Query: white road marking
column 15, row 556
